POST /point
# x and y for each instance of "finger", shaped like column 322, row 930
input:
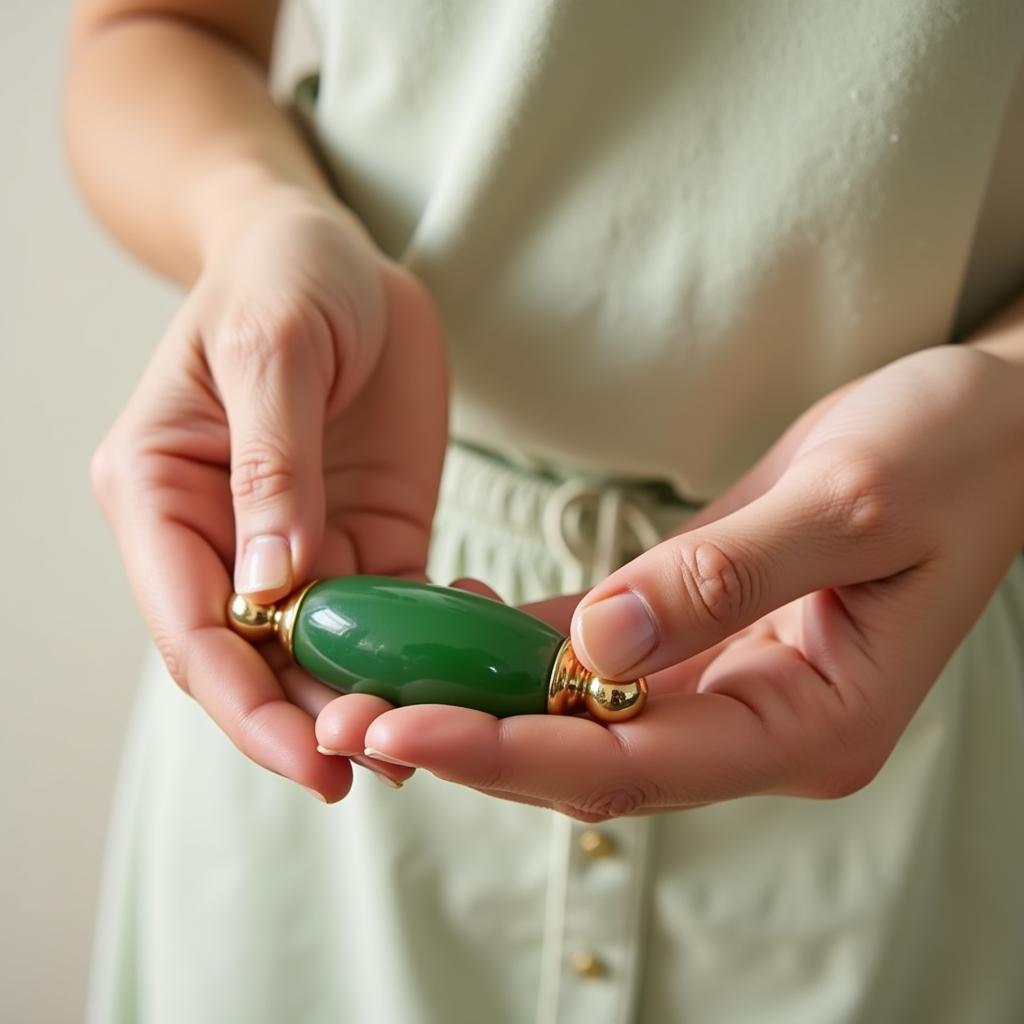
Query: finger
column 831, row 520
column 302, row 689
column 684, row 751
column 557, row 612
column 341, row 730
column 350, row 718
column 392, row 775
column 341, row 725
column 183, row 589
column 475, row 586
column 274, row 378
column 763, row 719
column 182, row 586
column 236, row 687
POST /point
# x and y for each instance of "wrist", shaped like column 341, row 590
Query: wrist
column 234, row 197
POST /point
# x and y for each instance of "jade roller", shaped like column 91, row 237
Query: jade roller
column 417, row 643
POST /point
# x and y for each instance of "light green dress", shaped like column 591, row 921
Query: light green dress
column 656, row 232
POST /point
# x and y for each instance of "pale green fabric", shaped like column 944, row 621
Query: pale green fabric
column 232, row 896
column 688, row 218
column 656, row 232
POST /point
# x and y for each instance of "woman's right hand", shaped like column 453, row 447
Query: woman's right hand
column 291, row 424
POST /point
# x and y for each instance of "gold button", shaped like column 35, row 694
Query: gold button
column 596, row 844
column 587, row 965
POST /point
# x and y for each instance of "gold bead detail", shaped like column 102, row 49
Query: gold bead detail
column 259, row 623
column 251, row 620
column 572, row 687
column 596, row 844
column 587, row 965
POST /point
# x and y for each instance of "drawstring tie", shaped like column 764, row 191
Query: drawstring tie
column 622, row 527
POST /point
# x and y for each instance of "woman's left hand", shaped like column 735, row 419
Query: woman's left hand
column 790, row 634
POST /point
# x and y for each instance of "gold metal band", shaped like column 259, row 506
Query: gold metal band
column 573, row 687
column 285, row 616
column 261, row 622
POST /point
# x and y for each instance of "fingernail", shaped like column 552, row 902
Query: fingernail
column 313, row 792
column 373, row 752
column 616, row 633
column 266, row 565
column 377, row 773
column 332, row 753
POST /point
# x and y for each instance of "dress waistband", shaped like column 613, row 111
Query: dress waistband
column 587, row 525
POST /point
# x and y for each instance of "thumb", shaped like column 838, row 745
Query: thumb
column 275, row 405
column 817, row 527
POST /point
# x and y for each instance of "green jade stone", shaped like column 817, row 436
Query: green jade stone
column 415, row 643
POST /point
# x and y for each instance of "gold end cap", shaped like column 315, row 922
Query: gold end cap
column 573, row 687
column 251, row 620
column 259, row 623
column 609, row 701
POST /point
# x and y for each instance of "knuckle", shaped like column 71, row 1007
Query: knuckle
column 172, row 653
column 251, row 726
column 719, row 587
column 613, row 803
column 578, row 814
column 496, row 772
column 860, row 497
column 260, row 474
column 267, row 343
column 110, row 466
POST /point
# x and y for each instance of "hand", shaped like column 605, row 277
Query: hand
column 789, row 634
column 291, row 424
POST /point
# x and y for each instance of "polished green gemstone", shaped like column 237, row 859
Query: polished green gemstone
column 415, row 643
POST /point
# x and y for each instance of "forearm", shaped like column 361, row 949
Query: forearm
column 174, row 136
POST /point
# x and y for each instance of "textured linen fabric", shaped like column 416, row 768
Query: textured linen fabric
column 695, row 216
column 656, row 233
column 231, row 896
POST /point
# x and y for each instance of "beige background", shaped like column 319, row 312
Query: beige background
column 77, row 322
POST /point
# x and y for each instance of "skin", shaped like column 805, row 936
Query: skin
column 797, row 623
column 268, row 408
column 800, row 621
